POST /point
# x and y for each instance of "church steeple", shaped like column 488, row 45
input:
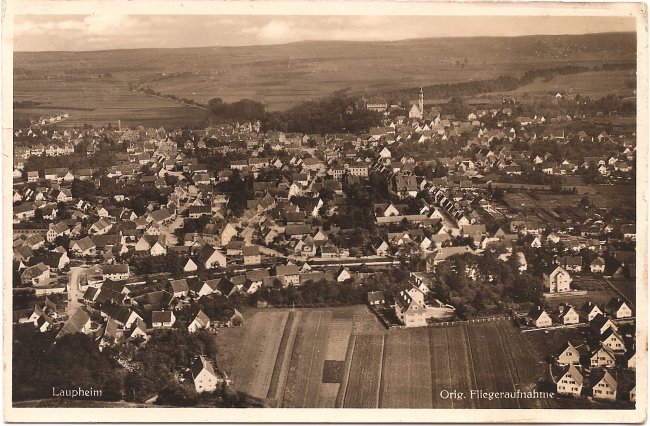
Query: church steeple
column 421, row 100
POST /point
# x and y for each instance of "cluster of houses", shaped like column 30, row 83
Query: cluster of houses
column 604, row 367
column 568, row 315
column 115, row 310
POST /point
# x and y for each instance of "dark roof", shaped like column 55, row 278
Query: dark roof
column 75, row 323
column 161, row 316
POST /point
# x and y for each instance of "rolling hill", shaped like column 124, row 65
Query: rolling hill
column 284, row 75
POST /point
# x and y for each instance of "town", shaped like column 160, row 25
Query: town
column 158, row 247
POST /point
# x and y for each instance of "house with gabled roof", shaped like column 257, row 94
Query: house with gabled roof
column 376, row 298
column 569, row 355
column 603, row 384
column 204, row 376
column 556, row 279
column 568, row 315
column 162, row 319
column 36, row 274
column 201, row 321
column 591, row 310
column 209, row 257
column 84, row 247
column 410, row 312
column 612, row 340
column 539, row 318
column 570, row 381
column 618, row 309
column 600, row 324
column 79, row 322
column 179, row 288
column 601, row 356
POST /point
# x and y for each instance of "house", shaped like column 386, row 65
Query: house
column 602, row 356
column 591, row 310
column 409, row 312
column 539, row 318
column 569, row 355
column 116, row 272
column 204, row 376
column 603, row 384
column 209, row 257
column 570, row 382
column 376, row 298
column 224, row 286
column 79, row 322
column 597, row 266
column 288, row 274
column 137, row 330
column 101, row 227
column 252, row 255
column 200, row 321
column 180, row 288
column 568, row 315
column 570, row 263
column 57, row 230
column 600, row 324
column 343, row 275
column 199, row 288
column 190, row 265
column 36, row 274
column 84, row 247
column 612, row 340
column 618, row 309
column 162, row 319
column 556, row 280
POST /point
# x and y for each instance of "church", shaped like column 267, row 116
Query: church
column 417, row 110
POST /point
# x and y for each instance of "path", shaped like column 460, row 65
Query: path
column 74, row 292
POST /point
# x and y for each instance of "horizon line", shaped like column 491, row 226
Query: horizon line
column 328, row 41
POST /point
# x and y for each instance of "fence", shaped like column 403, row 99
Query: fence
column 472, row 321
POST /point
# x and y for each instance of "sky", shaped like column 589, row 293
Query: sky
column 101, row 32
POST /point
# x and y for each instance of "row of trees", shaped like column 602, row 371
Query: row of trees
column 326, row 115
column 502, row 83
column 496, row 284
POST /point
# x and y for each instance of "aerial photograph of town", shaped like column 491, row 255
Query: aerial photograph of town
column 351, row 212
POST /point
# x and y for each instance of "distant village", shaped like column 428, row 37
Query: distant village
column 120, row 234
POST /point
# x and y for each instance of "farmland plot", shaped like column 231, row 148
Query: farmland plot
column 462, row 372
column 441, row 371
column 307, row 359
column 260, row 346
column 406, row 371
column 480, row 356
column 362, row 390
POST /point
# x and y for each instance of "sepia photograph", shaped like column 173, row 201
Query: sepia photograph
column 423, row 210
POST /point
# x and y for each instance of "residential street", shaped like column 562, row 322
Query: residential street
column 74, row 292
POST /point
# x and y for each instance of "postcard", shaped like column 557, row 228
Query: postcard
column 319, row 211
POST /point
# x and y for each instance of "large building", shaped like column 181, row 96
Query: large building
column 417, row 110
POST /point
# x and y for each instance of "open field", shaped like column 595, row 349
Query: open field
column 594, row 84
column 341, row 357
column 627, row 287
column 406, row 371
column 284, row 75
column 99, row 102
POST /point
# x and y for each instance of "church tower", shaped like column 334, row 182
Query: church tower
column 421, row 101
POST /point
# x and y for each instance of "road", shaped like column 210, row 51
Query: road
column 74, row 292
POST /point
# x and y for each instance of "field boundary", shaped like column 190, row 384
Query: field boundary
column 381, row 369
column 472, row 321
column 340, row 398
column 280, row 359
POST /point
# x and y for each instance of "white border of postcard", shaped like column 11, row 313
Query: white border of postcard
column 284, row 415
